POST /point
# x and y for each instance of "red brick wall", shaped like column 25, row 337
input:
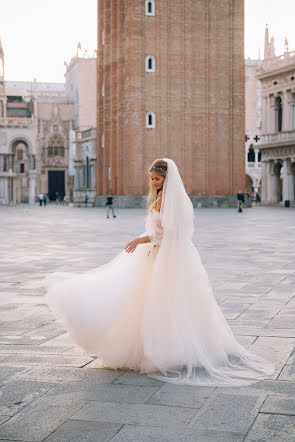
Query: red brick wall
column 197, row 93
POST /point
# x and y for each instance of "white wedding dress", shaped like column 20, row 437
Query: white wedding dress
column 153, row 310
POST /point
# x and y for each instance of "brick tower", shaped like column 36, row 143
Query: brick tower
column 171, row 84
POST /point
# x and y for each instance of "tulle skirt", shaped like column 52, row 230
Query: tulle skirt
column 154, row 312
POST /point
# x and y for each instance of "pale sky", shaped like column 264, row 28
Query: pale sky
column 39, row 35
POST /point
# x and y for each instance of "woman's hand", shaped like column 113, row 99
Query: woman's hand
column 131, row 246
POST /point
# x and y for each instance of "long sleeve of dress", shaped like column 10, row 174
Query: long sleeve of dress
column 154, row 228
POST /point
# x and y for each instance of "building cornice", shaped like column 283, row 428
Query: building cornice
column 276, row 72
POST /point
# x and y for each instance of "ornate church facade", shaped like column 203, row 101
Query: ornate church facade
column 36, row 122
column 44, row 143
column 170, row 83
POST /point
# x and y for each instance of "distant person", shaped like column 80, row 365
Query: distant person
column 257, row 198
column 85, row 197
column 44, row 199
column 40, row 199
column 241, row 200
column 109, row 204
column 57, row 198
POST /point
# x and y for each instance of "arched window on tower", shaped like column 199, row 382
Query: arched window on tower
column 150, row 64
column 251, row 155
column 150, row 7
column 150, row 120
column 278, row 114
column 259, row 156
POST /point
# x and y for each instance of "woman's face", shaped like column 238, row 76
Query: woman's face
column 157, row 180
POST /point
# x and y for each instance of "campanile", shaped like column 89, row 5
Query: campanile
column 170, row 84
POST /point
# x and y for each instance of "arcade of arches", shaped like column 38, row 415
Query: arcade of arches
column 278, row 177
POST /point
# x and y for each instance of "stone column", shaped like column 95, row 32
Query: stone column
column 288, row 188
column 285, row 180
column 256, row 157
column 264, row 114
column 270, row 123
column 287, row 111
column 32, row 187
column 272, row 183
column 4, row 108
column 264, row 179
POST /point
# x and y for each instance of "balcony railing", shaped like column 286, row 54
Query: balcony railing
column 16, row 121
column 252, row 165
column 278, row 137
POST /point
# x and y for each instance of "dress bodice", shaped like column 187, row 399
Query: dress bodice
column 153, row 227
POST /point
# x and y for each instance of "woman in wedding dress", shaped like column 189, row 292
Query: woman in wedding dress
column 151, row 309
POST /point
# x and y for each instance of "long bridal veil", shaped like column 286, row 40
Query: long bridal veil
column 184, row 332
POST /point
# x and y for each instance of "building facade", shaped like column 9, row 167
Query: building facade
column 81, row 90
column 170, row 83
column 277, row 144
column 36, row 123
column 85, row 166
column 253, row 126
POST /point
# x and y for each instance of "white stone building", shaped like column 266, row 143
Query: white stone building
column 85, row 166
column 253, row 125
column 277, row 143
column 81, row 90
column 36, row 125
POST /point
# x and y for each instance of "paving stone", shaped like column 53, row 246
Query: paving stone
column 131, row 378
column 132, row 433
column 106, row 392
column 24, row 326
column 186, row 396
column 288, row 372
column 52, row 374
column 4, row 419
column 276, row 350
column 272, row 428
column 30, row 349
column 23, row 359
column 246, row 341
column 279, row 406
column 63, row 340
column 17, row 394
column 228, row 412
column 143, row 414
column 41, row 418
column 79, row 431
column 264, row 388
column 8, row 372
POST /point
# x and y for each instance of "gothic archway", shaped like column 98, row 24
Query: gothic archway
column 19, row 163
column 249, row 185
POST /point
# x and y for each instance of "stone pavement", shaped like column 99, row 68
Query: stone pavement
column 51, row 390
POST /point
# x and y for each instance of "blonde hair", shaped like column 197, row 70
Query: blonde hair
column 154, row 197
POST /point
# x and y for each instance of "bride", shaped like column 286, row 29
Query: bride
column 152, row 309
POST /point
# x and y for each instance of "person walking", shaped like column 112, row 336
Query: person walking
column 257, row 198
column 152, row 309
column 85, row 198
column 109, row 204
column 40, row 199
column 57, row 198
column 241, row 200
column 44, row 199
